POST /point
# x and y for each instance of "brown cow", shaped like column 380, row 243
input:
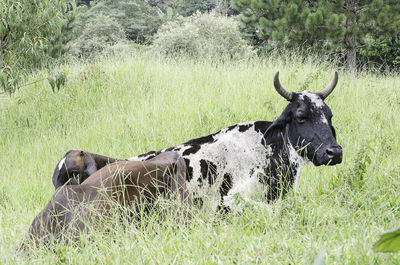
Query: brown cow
column 134, row 184
column 77, row 165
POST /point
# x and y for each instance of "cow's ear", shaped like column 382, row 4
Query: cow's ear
column 90, row 165
column 60, row 172
column 58, row 176
column 279, row 124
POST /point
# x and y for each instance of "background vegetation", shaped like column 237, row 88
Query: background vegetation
column 341, row 27
column 32, row 34
column 124, row 77
column 357, row 34
column 202, row 36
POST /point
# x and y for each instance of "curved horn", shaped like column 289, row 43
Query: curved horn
column 325, row 93
column 283, row 92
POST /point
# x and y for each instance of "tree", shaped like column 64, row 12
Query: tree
column 323, row 25
column 32, row 33
column 139, row 20
column 102, row 32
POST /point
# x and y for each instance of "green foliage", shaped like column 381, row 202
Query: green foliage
column 326, row 26
column 59, row 42
column 137, row 18
column 58, row 81
column 383, row 52
column 101, row 33
column 202, row 36
column 141, row 19
column 32, row 34
column 190, row 7
column 388, row 242
column 356, row 175
column 292, row 23
column 184, row 7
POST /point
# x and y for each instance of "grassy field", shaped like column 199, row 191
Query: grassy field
column 122, row 108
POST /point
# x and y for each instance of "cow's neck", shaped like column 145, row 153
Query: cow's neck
column 297, row 162
column 285, row 164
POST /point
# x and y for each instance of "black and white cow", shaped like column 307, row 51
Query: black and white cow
column 260, row 157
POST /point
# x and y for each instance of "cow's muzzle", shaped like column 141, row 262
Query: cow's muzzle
column 334, row 155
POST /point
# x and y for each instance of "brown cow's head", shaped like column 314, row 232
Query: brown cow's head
column 74, row 168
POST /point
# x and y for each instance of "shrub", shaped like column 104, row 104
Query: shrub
column 383, row 52
column 202, row 36
column 101, row 33
column 138, row 18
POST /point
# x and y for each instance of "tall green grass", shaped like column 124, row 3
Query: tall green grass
column 122, row 108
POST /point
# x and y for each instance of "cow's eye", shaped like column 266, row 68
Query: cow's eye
column 301, row 118
column 301, row 115
column 74, row 173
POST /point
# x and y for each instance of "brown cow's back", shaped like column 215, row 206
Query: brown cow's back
column 126, row 182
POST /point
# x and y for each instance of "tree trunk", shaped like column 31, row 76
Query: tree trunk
column 351, row 53
column 351, row 48
column 222, row 7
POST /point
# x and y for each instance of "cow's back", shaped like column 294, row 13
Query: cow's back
column 224, row 163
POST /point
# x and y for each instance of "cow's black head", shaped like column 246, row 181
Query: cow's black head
column 307, row 124
column 74, row 168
